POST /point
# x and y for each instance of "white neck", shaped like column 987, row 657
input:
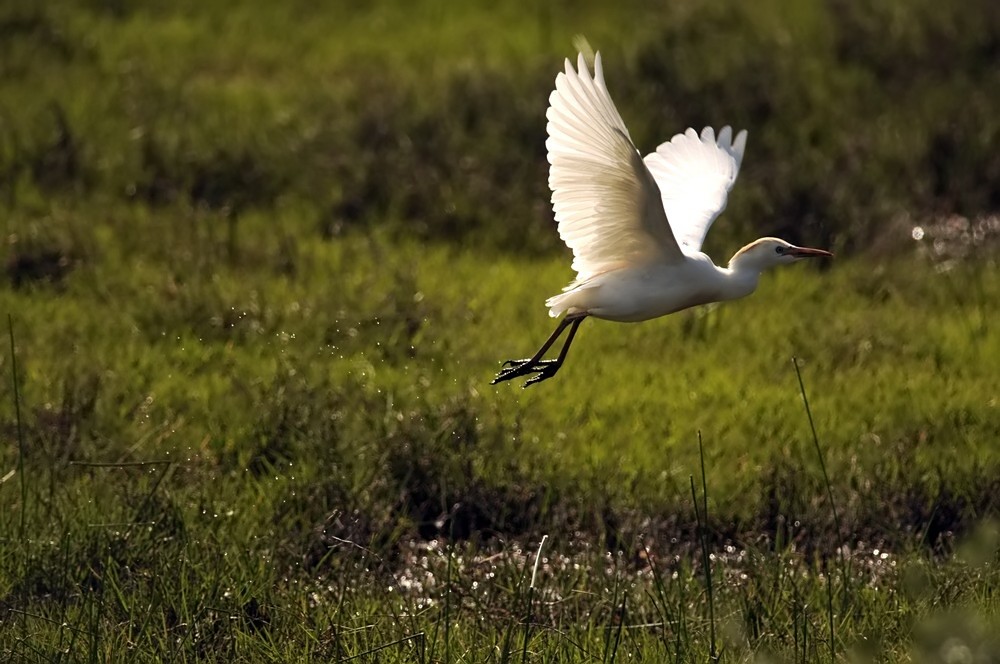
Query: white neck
column 739, row 279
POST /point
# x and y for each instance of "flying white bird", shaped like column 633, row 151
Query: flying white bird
column 636, row 225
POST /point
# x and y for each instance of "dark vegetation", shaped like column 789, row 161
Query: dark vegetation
column 862, row 112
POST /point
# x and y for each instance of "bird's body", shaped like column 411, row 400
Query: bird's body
column 635, row 293
column 636, row 224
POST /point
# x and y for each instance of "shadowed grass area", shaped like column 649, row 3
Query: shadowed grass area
column 263, row 261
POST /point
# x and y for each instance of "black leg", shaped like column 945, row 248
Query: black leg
column 550, row 369
column 515, row 368
column 543, row 369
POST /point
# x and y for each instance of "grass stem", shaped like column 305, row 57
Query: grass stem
column 20, row 429
column 531, row 593
column 704, row 548
column 418, row 637
column 701, row 515
column 829, row 613
column 833, row 508
column 819, row 450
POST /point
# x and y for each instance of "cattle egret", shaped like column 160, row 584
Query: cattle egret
column 636, row 225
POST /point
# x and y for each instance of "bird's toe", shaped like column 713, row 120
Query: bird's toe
column 512, row 369
column 543, row 369
column 544, row 372
column 500, row 377
column 537, row 378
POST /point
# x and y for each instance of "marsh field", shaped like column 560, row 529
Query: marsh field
column 261, row 261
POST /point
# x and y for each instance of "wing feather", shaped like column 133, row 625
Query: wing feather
column 694, row 174
column 606, row 201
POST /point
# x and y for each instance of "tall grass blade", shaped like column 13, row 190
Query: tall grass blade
column 447, row 596
column 137, row 518
column 833, row 506
column 621, row 624
column 829, row 614
column 20, row 429
column 531, row 593
column 703, row 541
column 819, row 451
column 704, row 548
column 418, row 637
column 659, row 600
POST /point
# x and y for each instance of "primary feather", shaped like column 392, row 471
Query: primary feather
column 694, row 174
column 605, row 199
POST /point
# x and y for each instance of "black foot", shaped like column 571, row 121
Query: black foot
column 543, row 369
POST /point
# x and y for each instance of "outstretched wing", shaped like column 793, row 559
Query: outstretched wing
column 605, row 200
column 695, row 174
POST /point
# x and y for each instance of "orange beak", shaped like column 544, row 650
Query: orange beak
column 806, row 252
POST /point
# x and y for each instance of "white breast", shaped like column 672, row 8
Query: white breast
column 638, row 293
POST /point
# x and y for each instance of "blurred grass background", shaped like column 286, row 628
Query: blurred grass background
column 274, row 252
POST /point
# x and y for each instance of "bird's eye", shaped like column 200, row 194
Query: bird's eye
column 779, row 250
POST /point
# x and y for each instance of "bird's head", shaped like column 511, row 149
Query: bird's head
column 770, row 251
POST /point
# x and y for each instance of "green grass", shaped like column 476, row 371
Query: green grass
column 262, row 262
